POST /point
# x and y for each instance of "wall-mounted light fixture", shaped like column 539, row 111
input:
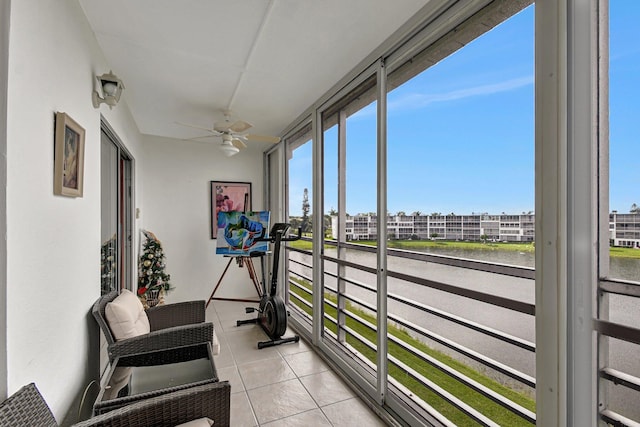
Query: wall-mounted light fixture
column 111, row 87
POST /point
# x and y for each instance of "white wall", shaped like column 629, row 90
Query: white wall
column 4, row 56
column 176, row 208
column 53, row 242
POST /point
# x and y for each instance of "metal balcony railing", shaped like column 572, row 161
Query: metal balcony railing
column 357, row 300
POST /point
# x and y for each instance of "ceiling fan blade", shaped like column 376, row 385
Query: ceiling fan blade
column 194, row 126
column 198, row 138
column 240, row 126
column 227, row 127
column 239, row 144
column 262, row 138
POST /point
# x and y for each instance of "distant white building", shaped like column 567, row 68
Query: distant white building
column 624, row 228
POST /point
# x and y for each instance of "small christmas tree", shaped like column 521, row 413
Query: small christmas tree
column 152, row 279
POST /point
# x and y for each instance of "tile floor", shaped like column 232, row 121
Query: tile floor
column 285, row 385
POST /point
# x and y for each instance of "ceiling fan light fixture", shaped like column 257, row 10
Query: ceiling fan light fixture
column 229, row 149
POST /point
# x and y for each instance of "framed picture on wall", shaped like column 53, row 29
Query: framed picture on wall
column 68, row 153
column 226, row 197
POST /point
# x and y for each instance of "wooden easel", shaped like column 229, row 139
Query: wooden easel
column 240, row 260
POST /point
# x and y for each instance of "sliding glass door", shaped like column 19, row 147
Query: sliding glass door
column 116, row 214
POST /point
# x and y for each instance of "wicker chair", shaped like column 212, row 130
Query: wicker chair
column 26, row 407
column 211, row 400
column 172, row 325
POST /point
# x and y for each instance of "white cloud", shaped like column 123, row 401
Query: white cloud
column 418, row 100
column 412, row 101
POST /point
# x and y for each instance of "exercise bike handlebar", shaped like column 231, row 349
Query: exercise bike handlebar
column 294, row 237
column 282, row 229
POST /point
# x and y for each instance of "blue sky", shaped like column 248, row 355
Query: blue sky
column 461, row 134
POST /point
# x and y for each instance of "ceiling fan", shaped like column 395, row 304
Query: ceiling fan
column 233, row 134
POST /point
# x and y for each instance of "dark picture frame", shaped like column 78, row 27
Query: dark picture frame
column 228, row 196
column 68, row 169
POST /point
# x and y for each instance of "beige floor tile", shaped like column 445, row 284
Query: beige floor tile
column 285, row 385
column 326, row 388
column 305, row 363
column 224, row 359
column 244, row 346
column 210, row 315
column 232, row 375
column 229, row 322
column 314, row 418
column 265, row 372
column 241, row 411
column 280, row 400
column 226, row 308
column 293, row 347
column 351, row 412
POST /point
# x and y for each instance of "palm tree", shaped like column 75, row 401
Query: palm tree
column 635, row 209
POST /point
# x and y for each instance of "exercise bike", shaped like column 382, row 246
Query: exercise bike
column 272, row 313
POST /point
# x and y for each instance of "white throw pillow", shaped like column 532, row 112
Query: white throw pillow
column 200, row 422
column 126, row 316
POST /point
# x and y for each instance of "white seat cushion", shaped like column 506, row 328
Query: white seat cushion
column 126, row 316
column 200, row 422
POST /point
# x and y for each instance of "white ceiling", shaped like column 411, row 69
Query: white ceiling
column 266, row 60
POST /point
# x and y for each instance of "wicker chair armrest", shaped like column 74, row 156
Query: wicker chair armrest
column 26, row 407
column 178, row 314
column 178, row 336
column 209, row 400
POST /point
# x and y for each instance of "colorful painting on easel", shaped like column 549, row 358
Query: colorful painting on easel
column 240, row 233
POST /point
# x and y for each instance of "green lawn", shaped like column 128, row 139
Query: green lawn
column 484, row 405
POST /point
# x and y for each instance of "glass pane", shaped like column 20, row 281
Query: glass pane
column 350, row 185
column 624, row 150
column 624, row 204
column 299, row 213
column 109, row 259
column 461, row 188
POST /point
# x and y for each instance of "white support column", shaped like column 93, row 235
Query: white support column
column 582, row 220
column 566, row 207
column 602, row 311
column 318, row 244
column 382, row 233
column 5, row 17
column 550, row 183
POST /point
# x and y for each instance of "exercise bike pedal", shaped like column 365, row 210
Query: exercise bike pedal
column 249, row 309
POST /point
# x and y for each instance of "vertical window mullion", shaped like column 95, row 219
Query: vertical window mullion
column 342, row 202
column 318, row 244
column 382, row 232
